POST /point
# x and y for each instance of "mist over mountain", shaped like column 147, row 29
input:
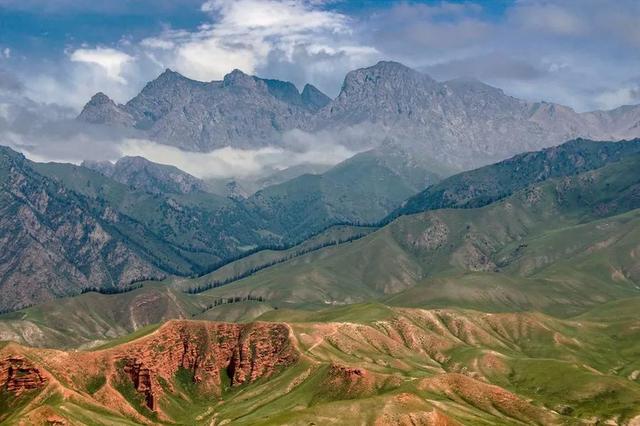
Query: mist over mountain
column 460, row 124
column 145, row 175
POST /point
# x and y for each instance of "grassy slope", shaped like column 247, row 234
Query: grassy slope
column 558, row 248
column 484, row 185
column 558, row 244
column 362, row 189
column 415, row 361
column 92, row 318
column 337, row 234
column 200, row 229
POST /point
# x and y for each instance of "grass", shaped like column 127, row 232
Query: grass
column 579, row 366
column 539, row 297
column 95, row 383
column 10, row 406
column 141, row 332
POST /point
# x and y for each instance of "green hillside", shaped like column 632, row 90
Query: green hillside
column 94, row 232
column 487, row 184
column 561, row 245
column 520, row 311
column 357, row 364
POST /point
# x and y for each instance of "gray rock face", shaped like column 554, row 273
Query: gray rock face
column 462, row 123
column 240, row 111
column 142, row 174
column 458, row 124
column 102, row 110
column 52, row 246
column 313, row 98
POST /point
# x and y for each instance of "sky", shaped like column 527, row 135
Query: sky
column 581, row 53
column 54, row 55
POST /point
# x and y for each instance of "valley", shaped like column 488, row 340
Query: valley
column 475, row 259
column 509, row 308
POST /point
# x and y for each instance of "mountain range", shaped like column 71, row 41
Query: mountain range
column 476, row 262
column 458, row 124
column 514, row 304
column 136, row 220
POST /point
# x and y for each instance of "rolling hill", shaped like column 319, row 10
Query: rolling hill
column 358, row 364
column 560, row 245
column 487, row 184
column 508, row 307
column 151, row 220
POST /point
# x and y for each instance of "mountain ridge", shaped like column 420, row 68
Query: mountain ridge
column 460, row 123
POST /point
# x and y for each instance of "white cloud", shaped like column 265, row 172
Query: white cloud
column 6, row 52
column 111, row 61
column 620, row 96
column 231, row 162
column 579, row 52
column 246, row 34
column 48, row 132
column 157, row 43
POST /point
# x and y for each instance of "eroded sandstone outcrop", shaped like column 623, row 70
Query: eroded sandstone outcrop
column 141, row 379
column 206, row 351
column 19, row 375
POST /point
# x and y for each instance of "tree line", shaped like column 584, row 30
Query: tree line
column 274, row 247
column 219, row 283
column 229, row 300
column 111, row 290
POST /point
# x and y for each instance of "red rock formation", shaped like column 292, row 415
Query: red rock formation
column 141, row 379
column 244, row 352
column 18, row 375
column 349, row 381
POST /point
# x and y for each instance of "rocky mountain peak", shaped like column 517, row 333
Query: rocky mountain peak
column 313, row 98
column 472, row 83
column 462, row 122
column 145, row 175
column 284, row 90
column 169, row 75
column 390, row 66
column 135, row 161
column 9, row 158
column 101, row 109
column 100, row 99
column 237, row 78
column 384, row 77
column 165, row 83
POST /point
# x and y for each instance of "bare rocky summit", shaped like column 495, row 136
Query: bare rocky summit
column 460, row 124
column 241, row 111
column 103, row 110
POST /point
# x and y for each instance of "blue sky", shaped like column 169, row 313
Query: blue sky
column 45, row 28
column 582, row 53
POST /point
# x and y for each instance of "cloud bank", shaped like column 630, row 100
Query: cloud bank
column 231, row 162
column 49, row 132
